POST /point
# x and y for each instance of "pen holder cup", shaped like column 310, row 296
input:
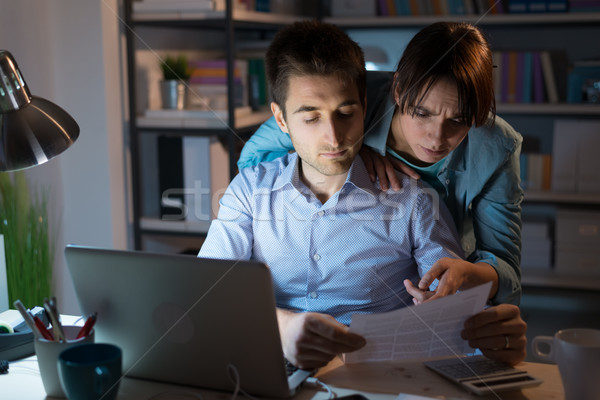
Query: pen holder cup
column 47, row 355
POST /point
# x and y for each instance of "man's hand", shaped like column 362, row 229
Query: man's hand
column 384, row 168
column 311, row 340
column 453, row 275
column 499, row 332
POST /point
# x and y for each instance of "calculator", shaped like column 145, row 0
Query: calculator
column 481, row 375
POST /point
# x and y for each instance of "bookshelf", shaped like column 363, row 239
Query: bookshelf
column 201, row 31
column 572, row 32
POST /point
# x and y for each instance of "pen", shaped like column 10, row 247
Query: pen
column 50, row 307
column 87, row 327
column 40, row 326
column 27, row 317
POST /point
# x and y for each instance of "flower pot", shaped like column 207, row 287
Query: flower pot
column 173, row 94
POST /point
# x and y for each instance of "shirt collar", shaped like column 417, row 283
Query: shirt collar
column 357, row 176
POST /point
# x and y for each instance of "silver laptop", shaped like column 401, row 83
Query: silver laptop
column 185, row 320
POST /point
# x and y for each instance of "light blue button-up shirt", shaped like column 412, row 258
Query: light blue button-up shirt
column 349, row 255
column 480, row 183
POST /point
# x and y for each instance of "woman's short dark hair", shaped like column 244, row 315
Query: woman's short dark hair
column 448, row 50
column 313, row 48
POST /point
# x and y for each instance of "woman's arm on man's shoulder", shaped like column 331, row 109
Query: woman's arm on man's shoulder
column 266, row 144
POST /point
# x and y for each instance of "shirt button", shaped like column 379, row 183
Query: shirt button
column 321, row 213
column 447, row 181
column 313, row 295
column 316, row 257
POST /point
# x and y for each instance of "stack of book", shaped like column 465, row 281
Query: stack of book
column 208, row 84
column 536, row 171
column 343, row 8
column 530, row 76
column 584, row 5
column 177, row 7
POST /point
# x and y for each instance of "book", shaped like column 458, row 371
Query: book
column 517, row 6
column 549, row 77
column 546, row 172
column 363, row 8
column 520, row 77
column 535, row 168
column 497, row 75
column 558, row 6
column 456, row 7
column 505, row 72
column 564, row 151
column 403, row 7
column 538, row 78
column 170, row 178
column 537, row 6
column 527, row 93
column 511, row 83
column 469, row 7
column 176, row 6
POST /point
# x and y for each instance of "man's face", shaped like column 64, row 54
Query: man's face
column 324, row 118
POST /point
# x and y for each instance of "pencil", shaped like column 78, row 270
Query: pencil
column 28, row 318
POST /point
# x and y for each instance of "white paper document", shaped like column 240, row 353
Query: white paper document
column 431, row 329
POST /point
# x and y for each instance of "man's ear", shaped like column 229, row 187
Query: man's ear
column 278, row 114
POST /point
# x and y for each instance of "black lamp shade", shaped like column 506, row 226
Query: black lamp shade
column 32, row 130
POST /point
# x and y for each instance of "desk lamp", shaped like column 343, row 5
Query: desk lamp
column 33, row 130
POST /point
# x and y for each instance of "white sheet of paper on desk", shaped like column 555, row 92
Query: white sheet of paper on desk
column 431, row 329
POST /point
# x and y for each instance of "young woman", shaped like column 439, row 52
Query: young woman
column 435, row 119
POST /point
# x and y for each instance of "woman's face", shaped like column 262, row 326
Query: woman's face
column 430, row 131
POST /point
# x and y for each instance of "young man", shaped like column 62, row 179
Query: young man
column 302, row 214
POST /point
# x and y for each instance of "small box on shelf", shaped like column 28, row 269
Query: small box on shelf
column 536, row 245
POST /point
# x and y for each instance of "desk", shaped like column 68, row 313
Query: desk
column 378, row 381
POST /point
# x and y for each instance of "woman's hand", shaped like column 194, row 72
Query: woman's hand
column 453, row 275
column 384, row 169
column 499, row 332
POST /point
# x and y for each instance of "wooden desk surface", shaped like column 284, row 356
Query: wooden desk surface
column 378, row 381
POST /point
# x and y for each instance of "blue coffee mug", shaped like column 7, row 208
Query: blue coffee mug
column 90, row 371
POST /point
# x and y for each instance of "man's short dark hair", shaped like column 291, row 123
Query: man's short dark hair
column 313, row 48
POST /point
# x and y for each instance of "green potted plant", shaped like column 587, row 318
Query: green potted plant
column 173, row 87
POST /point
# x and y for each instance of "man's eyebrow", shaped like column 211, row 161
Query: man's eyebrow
column 304, row 109
column 312, row 108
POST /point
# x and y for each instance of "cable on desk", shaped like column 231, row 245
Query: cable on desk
column 235, row 379
column 324, row 385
